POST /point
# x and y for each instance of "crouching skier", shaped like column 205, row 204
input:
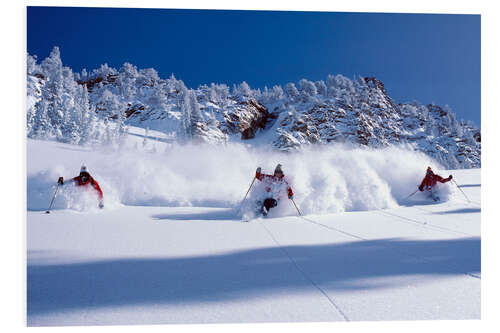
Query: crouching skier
column 275, row 186
column 86, row 180
column 429, row 182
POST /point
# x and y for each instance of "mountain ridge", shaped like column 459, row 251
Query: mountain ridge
column 358, row 111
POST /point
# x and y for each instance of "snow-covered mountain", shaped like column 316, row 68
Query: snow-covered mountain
column 96, row 106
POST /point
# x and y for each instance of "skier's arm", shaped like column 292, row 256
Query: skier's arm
column 421, row 187
column 259, row 175
column 60, row 181
column 289, row 190
column 97, row 187
column 444, row 180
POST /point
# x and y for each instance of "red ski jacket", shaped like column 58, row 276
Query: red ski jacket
column 91, row 181
column 430, row 180
column 271, row 179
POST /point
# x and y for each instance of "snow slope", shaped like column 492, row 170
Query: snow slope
column 164, row 251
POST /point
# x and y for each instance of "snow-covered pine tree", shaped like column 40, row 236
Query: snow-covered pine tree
column 242, row 91
column 184, row 133
column 147, row 77
column 52, row 91
column 41, row 127
column 222, row 94
column 107, row 137
column 197, row 120
column 31, row 64
column 71, row 124
column 157, row 99
column 33, row 93
column 292, row 92
column 109, row 105
column 121, row 129
column 89, row 126
column 307, row 90
column 127, row 82
column 321, row 88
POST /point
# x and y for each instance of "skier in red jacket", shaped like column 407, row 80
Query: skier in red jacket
column 275, row 186
column 86, row 180
column 429, row 182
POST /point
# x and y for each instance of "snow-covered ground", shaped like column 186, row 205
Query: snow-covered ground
column 170, row 246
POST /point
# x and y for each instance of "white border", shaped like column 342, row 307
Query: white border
column 12, row 90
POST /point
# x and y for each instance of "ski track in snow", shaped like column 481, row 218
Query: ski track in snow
column 425, row 224
column 357, row 237
column 403, row 218
column 297, row 266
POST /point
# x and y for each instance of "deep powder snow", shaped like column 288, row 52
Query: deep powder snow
column 328, row 180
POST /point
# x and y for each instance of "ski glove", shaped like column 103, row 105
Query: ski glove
column 101, row 205
column 421, row 188
column 60, row 181
column 451, row 177
column 290, row 197
column 257, row 172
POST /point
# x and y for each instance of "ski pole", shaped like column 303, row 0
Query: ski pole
column 461, row 190
column 248, row 190
column 53, row 197
column 408, row 197
column 298, row 211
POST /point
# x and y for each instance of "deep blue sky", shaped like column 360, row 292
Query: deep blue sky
column 423, row 57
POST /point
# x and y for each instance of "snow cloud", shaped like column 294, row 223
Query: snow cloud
column 327, row 180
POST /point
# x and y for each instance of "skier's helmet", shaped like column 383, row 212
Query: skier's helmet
column 429, row 171
column 278, row 171
column 84, row 173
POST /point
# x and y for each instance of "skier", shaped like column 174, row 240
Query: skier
column 429, row 182
column 85, row 179
column 275, row 185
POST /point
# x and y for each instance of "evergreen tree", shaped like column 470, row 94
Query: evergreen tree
column 70, row 108
column 292, row 92
column 109, row 105
column 70, row 125
column 31, row 66
column 52, row 92
column 88, row 122
column 184, row 133
column 127, row 82
column 107, row 138
column 242, row 91
column 308, row 88
column 197, row 120
column 41, row 128
column 121, row 129
column 321, row 88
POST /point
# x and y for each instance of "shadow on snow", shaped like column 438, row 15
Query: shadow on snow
column 225, row 214
column 470, row 185
column 239, row 274
column 460, row 211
